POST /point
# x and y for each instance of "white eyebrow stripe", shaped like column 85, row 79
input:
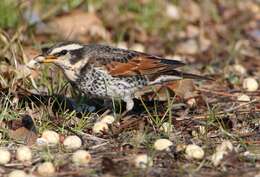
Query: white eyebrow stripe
column 66, row 47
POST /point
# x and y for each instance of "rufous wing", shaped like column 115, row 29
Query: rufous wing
column 140, row 65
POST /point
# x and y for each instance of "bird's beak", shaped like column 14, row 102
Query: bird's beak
column 49, row 59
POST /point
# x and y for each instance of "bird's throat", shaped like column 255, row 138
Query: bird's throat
column 70, row 75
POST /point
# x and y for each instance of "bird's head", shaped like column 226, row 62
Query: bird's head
column 63, row 53
column 68, row 56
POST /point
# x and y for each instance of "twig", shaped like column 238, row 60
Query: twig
column 200, row 117
column 92, row 137
column 241, row 105
column 216, row 92
column 99, row 145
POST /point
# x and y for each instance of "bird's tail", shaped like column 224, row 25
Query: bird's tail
column 176, row 75
column 189, row 75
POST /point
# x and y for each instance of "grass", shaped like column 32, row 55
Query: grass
column 9, row 14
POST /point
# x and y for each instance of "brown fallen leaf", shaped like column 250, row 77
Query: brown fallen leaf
column 26, row 131
column 78, row 25
column 183, row 89
column 155, row 92
column 2, row 125
column 24, row 135
column 190, row 10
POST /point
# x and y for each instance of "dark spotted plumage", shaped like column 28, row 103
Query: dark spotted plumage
column 96, row 82
column 109, row 72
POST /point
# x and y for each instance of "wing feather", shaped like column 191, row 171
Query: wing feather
column 120, row 62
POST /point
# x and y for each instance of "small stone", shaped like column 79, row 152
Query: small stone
column 5, row 156
column 143, row 161
column 217, row 157
column 81, row 157
column 243, row 97
column 31, row 175
column 24, row 153
column 99, row 127
column 162, row 144
column 225, row 146
column 138, row 47
column 221, row 150
column 193, row 151
column 250, row 84
column 172, row 12
column 192, row 102
column 51, row 137
column 188, row 47
column 239, row 69
column 17, row 173
column 72, row 142
column 108, row 119
column 247, row 153
column 122, row 45
column 46, row 169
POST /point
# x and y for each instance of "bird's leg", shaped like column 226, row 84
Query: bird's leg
column 113, row 105
column 129, row 105
column 108, row 104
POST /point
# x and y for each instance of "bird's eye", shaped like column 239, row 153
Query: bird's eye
column 45, row 50
column 63, row 52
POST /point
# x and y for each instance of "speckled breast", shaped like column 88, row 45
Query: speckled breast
column 98, row 82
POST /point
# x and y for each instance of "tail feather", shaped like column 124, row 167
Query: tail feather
column 176, row 75
column 174, row 63
column 189, row 75
column 171, row 62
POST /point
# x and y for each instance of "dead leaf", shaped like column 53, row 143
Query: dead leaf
column 191, row 10
column 26, row 131
column 172, row 11
column 2, row 125
column 184, row 89
column 23, row 134
column 78, row 25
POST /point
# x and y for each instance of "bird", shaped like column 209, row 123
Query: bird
column 108, row 72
